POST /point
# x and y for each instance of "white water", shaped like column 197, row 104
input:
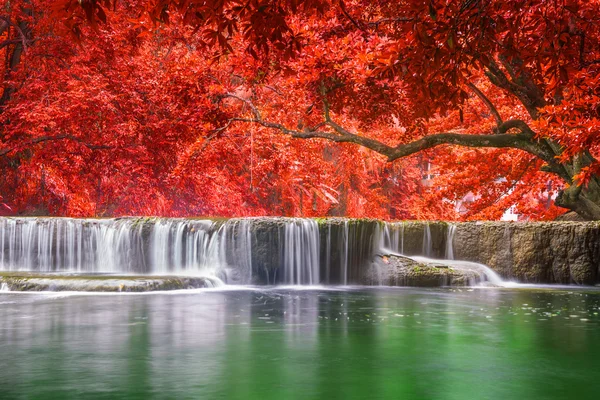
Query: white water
column 485, row 272
column 392, row 237
column 176, row 246
column 427, row 245
column 301, row 252
column 344, row 243
column 450, row 242
column 392, row 242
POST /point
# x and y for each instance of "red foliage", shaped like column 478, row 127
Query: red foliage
column 135, row 107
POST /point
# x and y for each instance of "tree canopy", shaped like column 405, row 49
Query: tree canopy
column 226, row 107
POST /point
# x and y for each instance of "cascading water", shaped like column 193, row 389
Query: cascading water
column 392, row 237
column 346, row 248
column 391, row 241
column 450, row 242
column 291, row 251
column 301, row 252
column 401, row 238
column 344, row 242
column 327, row 260
column 175, row 246
column 427, row 245
column 73, row 245
column 486, row 274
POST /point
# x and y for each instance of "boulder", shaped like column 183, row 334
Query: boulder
column 396, row 270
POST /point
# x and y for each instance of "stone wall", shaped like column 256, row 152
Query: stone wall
column 535, row 252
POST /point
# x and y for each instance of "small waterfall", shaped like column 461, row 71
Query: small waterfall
column 301, row 252
column 450, row 242
column 62, row 244
column 427, row 245
column 231, row 251
column 347, row 247
column 127, row 245
column 401, row 238
column 328, row 255
column 392, row 237
column 485, row 272
column 344, row 243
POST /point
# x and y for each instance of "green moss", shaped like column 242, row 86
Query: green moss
column 321, row 221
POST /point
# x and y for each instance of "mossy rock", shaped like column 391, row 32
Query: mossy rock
column 396, row 270
column 36, row 282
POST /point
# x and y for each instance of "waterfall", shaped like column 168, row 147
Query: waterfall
column 301, row 252
column 392, row 237
column 162, row 246
column 486, row 273
column 427, row 245
column 328, row 255
column 344, row 242
column 231, row 250
column 127, row 245
column 292, row 251
column 450, row 242
column 401, row 250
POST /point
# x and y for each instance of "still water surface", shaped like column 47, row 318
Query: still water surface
column 302, row 344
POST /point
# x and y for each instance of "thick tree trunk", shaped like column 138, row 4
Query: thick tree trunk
column 586, row 203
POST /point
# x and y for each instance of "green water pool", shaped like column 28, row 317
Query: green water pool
column 283, row 343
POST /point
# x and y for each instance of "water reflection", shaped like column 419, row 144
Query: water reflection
column 294, row 344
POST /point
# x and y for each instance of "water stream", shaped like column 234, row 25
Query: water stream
column 450, row 242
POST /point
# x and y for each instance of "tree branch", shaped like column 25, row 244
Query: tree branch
column 8, row 42
column 390, row 20
column 501, row 140
column 42, row 139
column 487, row 102
column 521, row 141
column 15, row 57
column 354, row 22
column 3, row 25
column 20, row 28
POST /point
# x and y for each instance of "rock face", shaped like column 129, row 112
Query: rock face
column 395, row 270
column 415, row 234
column 27, row 282
column 549, row 252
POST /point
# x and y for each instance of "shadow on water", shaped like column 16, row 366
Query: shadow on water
column 280, row 343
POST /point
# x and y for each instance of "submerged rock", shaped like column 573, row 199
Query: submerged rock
column 34, row 282
column 396, row 270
